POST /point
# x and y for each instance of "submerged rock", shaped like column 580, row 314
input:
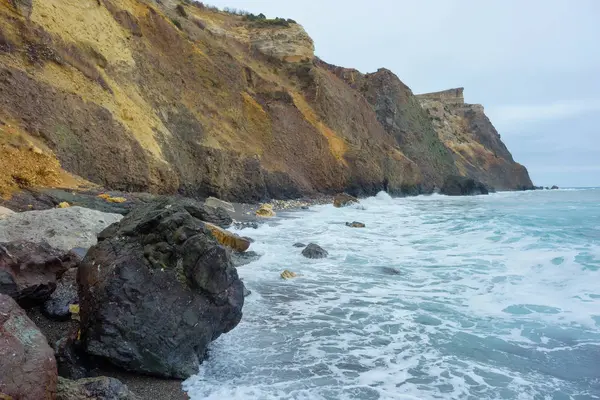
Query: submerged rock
column 314, row 251
column 391, row 271
column 355, row 224
column 28, row 271
column 241, row 259
column 156, row 290
column 462, row 186
column 343, row 200
column 27, row 365
column 299, row 245
column 100, row 388
column 61, row 228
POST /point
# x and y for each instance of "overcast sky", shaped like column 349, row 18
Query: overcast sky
column 533, row 64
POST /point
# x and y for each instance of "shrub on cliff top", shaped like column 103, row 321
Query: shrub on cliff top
column 261, row 20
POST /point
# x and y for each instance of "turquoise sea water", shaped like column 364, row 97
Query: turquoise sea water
column 488, row 297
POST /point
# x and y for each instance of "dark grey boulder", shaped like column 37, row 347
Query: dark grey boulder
column 156, row 290
column 455, row 185
column 314, row 251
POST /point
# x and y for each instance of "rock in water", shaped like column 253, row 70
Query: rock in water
column 554, row 187
column 156, row 290
column 100, row 388
column 299, row 245
column 214, row 202
column 62, row 228
column 27, row 365
column 265, row 211
column 229, row 239
column 314, row 251
column 241, row 259
column 462, row 186
column 287, row 274
column 28, row 271
column 343, row 200
column 355, row 224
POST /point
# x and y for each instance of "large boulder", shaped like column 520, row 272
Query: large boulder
column 455, row 185
column 28, row 271
column 62, row 228
column 27, row 365
column 100, row 388
column 215, row 203
column 156, row 290
column 314, row 251
column 343, row 200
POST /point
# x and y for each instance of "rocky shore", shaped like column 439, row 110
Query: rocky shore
column 122, row 297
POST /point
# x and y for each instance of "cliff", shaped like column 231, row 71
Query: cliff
column 169, row 96
column 475, row 144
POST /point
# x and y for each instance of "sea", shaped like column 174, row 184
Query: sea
column 485, row 297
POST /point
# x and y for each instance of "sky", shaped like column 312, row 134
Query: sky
column 533, row 64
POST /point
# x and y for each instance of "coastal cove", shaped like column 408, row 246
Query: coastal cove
column 402, row 309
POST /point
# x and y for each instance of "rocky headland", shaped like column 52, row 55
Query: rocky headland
column 126, row 129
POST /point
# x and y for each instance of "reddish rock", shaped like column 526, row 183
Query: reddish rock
column 28, row 271
column 27, row 365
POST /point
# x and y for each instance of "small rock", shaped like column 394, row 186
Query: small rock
column 100, row 388
column 355, row 224
column 70, row 359
column 299, row 245
column 314, row 251
column 265, row 211
column 5, row 212
column 245, row 225
column 247, row 292
column 554, row 187
column 241, row 259
column 343, row 200
column 304, row 207
column 287, row 274
column 228, row 239
column 214, row 202
column 57, row 306
column 391, row 271
column 27, row 365
column 64, row 204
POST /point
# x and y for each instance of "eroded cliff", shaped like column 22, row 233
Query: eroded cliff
column 173, row 96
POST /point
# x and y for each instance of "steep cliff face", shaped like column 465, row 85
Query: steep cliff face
column 172, row 96
column 475, row 144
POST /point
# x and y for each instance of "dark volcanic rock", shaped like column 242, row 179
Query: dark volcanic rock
column 71, row 362
column 57, row 306
column 101, row 388
column 314, row 251
column 554, row 187
column 462, row 186
column 27, row 365
column 28, row 271
column 156, row 290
